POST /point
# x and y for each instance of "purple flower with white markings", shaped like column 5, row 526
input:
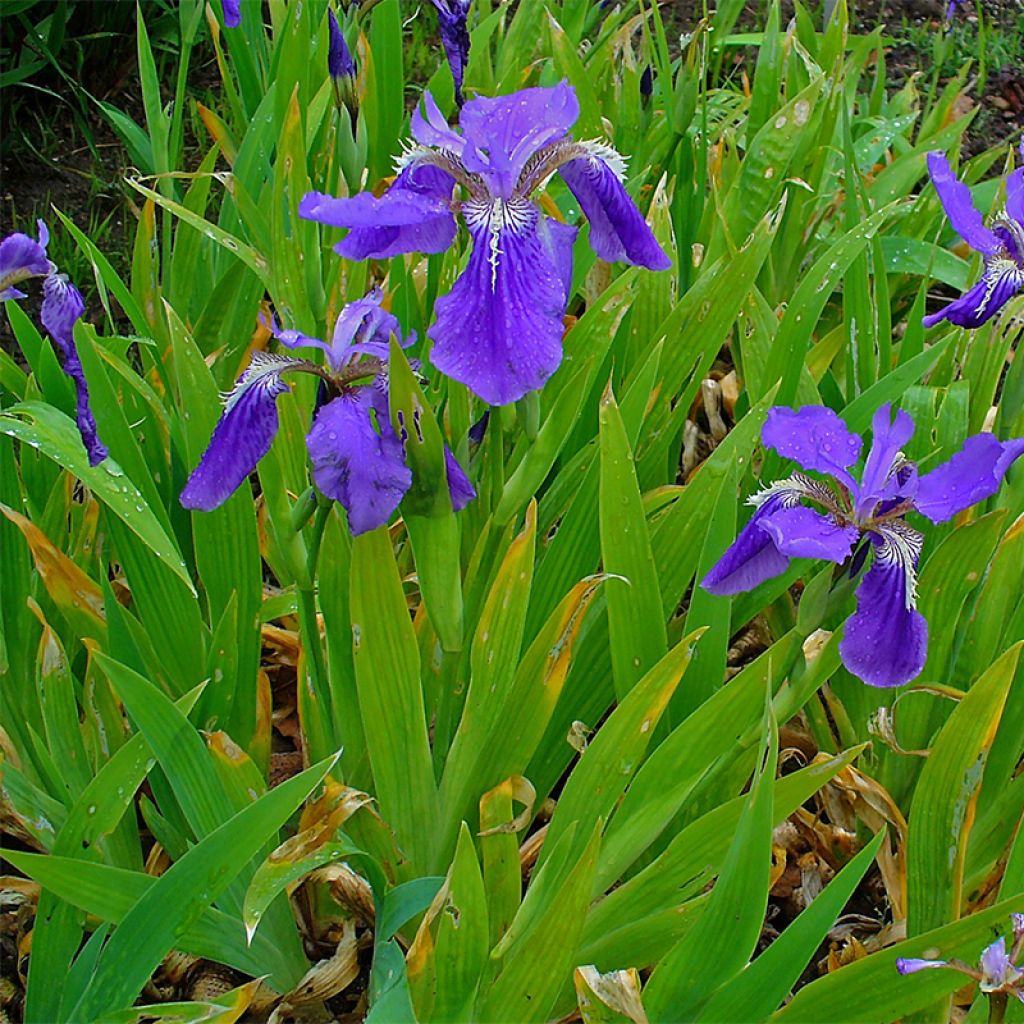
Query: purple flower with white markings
column 451, row 20
column 885, row 640
column 499, row 330
column 1001, row 245
column 998, row 973
column 22, row 258
column 358, row 459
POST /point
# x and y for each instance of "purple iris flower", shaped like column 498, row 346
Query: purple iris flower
column 886, row 639
column 339, row 58
column 358, row 458
column 21, row 258
column 997, row 973
column 451, row 19
column 1001, row 245
column 232, row 11
column 499, row 330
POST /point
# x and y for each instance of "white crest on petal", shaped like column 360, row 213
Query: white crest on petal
column 901, row 548
column 794, row 488
column 264, row 371
column 494, row 217
column 599, row 151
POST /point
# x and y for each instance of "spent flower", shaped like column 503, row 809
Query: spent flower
column 499, row 330
column 885, row 640
column 358, row 458
column 452, row 18
column 1001, row 245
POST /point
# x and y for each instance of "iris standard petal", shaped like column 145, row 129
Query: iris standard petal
column 22, row 257
column 414, row 215
column 997, row 969
column 753, row 556
column 499, row 330
column 910, row 965
column 973, row 474
column 1000, row 282
column 434, row 130
column 232, row 10
column 1015, row 197
column 61, row 308
column 460, row 487
column 501, row 133
column 800, row 532
column 243, row 435
column 885, row 642
column 618, row 231
column 357, row 462
column 879, row 480
column 959, row 206
column 814, row 437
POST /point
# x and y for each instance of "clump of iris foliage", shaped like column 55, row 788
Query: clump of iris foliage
column 407, row 582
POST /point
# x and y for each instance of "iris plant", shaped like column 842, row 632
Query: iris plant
column 451, row 20
column 22, row 258
column 885, row 640
column 358, row 458
column 1001, row 245
column 998, row 973
column 499, row 330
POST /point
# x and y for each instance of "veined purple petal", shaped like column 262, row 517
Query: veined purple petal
column 885, row 642
column 888, row 436
column 800, row 532
column 243, row 435
column 460, row 487
column 499, row 330
column 618, row 231
column 414, row 215
column 996, row 968
column 1000, row 282
column 973, row 474
column 434, row 130
column 232, row 12
column 1015, row 197
column 451, row 19
column 753, row 556
column 358, row 463
column 814, row 437
column 959, row 206
column 61, row 308
column 557, row 240
column 909, row 965
column 22, row 257
column 339, row 58
column 501, row 133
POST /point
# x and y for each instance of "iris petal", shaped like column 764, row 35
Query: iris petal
column 997, row 969
column 971, row 475
column 499, row 330
column 1015, row 197
column 911, row 965
column 1000, row 282
column 800, row 532
column 414, row 215
column 959, row 206
column 232, row 13
column 885, row 642
column 618, row 231
column 358, row 463
column 23, row 256
column 460, row 487
column 888, row 436
column 61, row 308
column 814, row 437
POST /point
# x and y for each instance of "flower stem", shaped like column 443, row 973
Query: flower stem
column 996, row 1007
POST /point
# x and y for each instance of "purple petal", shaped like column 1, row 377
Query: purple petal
column 959, row 207
column 814, row 437
column 61, row 308
column 1017, row 923
column 243, row 435
column 1015, row 198
column 618, row 231
column 879, row 481
column 499, row 330
column 414, row 215
column 800, row 532
column 451, row 19
column 232, row 12
column 339, row 58
column 460, row 487
column 557, row 241
column 996, row 968
column 753, row 556
column 907, row 965
column 22, row 257
column 361, row 466
column 971, row 475
column 433, row 130
column 501, row 133
column 1000, row 282
column 885, row 642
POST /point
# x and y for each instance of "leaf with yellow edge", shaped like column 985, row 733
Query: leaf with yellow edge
column 225, row 1009
column 76, row 594
column 612, row 998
